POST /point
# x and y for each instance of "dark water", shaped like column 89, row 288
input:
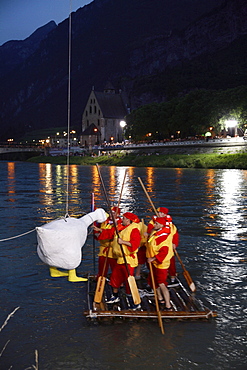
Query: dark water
column 209, row 207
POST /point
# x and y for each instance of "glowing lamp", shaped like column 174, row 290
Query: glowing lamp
column 231, row 123
column 122, row 124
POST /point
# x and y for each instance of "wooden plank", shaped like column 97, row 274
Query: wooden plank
column 147, row 315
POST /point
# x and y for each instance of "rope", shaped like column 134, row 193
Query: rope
column 30, row 231
column 17, row 236
column 69, row 105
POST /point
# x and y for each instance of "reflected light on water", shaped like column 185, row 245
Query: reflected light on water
column 73, row 184
column 60, row 181
column 59, row 178
column 179, row 174
column 210, row 184
column 229, row 205
column 128, row 195
column 112, row 182
column 222, row 203
column 126, row 188
column 45, row 179
column 211, row 202
column 95, row 184
column 150, row 179
column 178, row 182
column 11, row 181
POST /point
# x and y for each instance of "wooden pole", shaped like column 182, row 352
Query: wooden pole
column 94, row 258
column 156, row 299
column 120, row 196
column 147, row 195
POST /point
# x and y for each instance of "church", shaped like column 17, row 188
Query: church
column 102, row 116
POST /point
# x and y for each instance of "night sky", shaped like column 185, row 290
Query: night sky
column 20, row 18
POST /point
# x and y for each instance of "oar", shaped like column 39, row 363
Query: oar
column 131, row 279
column 101, row 279
column 156, row 299
column 101, row 282
column 185, row 272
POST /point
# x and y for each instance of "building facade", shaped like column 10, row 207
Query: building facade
column 102, row 116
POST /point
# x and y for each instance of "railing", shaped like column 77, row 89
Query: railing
column 129, row 146
column 19, row 148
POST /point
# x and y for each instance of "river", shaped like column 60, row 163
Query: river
column 209, row 208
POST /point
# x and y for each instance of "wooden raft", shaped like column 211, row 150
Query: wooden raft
column 185, row 305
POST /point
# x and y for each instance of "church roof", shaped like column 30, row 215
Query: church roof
column 109, row 86
column 111, row 105
column 90, row 130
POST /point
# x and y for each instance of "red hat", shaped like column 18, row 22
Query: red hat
column 169, row 218
column 116, row 209
column 161, row 220
column 131, row 217
column 163, row 210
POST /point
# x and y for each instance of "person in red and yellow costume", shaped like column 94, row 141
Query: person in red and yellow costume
column 129, row 239
column 105, row 234
column 163, row 212
column 175, row 240
column 159, row 253
column 141, row 254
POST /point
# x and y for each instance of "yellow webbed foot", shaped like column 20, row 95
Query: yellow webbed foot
column 73, row 278
column 54, row 272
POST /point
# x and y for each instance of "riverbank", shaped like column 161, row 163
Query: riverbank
column 236, row 161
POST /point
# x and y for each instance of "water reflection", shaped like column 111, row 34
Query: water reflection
column 210, row 184
column 95, row 184
column 229, row 203
column 124, row 187
column 149, row 179
column 219, row 197
column 11, row 181
column 209, row 209
column 45, row 179
column 223, row 203
column 210, row 204
column 112, row 182
column 74, row 191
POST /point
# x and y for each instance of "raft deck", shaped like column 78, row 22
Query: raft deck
column 185, row 305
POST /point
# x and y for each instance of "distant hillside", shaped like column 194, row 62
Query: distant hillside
column 13, row 53
column 152, row 49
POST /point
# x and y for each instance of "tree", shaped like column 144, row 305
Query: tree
column 191, row 114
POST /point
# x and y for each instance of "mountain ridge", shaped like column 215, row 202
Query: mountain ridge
column 34, row 94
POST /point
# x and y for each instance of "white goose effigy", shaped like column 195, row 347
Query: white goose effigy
column 60, row 243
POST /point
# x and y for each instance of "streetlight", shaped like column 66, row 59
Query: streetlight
column 122, row 125
column 232, row 125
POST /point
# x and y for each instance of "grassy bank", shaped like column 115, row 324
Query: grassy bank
column 238, row 160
